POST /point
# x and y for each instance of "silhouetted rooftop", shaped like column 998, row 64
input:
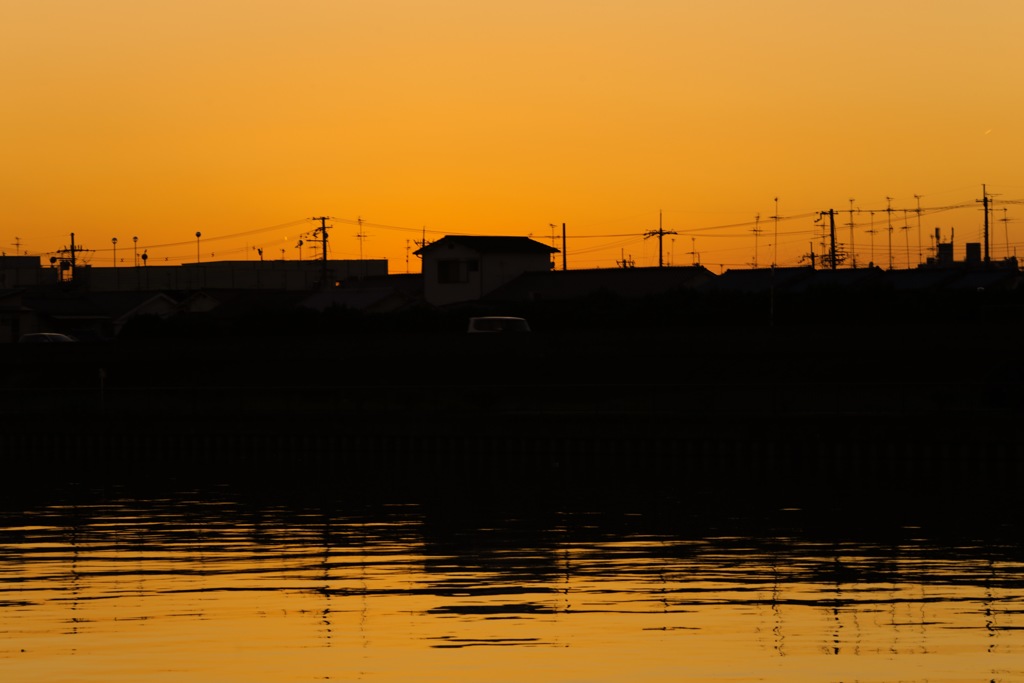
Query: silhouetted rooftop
column 491, row 245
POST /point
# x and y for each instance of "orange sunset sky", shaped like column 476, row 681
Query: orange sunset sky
column 243, row 118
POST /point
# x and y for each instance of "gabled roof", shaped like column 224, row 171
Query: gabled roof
column 490, row 245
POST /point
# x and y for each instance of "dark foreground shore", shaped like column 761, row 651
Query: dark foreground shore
column 887, row 405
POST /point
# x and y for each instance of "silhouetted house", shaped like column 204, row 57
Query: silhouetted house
column 156, row 305
column 233, row 305
column 386, row 294
column 759, row 279
column 93, row 315
column 467, row 268
column 846, row 279
column 995, row 279
column 623, row 283
column 16, row 318
column 920, row 279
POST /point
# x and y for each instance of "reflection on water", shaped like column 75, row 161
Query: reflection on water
column 218, row 586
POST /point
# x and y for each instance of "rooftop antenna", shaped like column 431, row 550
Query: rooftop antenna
column 920, row 252
column 360, row 236
column 553, row 228
column 906, row 236
column 756, row 231
column 17, row 245
column 871, row 231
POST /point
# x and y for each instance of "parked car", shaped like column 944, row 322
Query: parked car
column 45, row 338
column 498, row 323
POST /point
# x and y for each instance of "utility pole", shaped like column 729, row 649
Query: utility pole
column 853, row 253
column 831, row 213
column 660, row 234
column 775, row 239
column 906, row 236
column 71, row 262
column 888, row 211
column 920, row 253
column 985, row 205
column 565, row 257
column 322, row 231
column 1006, row 231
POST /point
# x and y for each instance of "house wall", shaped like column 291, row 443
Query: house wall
column 17, row 278
column 454, row 273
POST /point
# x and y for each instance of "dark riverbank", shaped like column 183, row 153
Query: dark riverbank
column 888, row 402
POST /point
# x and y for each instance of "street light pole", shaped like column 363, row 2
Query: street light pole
column 198, row 235
column 135, row 250
column 113, row 240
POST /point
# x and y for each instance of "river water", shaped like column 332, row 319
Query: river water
column 219, row 584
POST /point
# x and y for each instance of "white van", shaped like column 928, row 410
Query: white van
column 498, row 323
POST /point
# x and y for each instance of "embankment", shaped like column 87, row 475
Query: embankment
column 849, row 407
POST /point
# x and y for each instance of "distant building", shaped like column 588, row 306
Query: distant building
column 467, row 268
column 625, row 283
column 277, row 275
column 24, row 271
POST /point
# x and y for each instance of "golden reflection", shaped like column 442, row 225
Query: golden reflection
column 232, row 594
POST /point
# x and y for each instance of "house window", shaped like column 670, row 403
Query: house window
column 450, row 271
